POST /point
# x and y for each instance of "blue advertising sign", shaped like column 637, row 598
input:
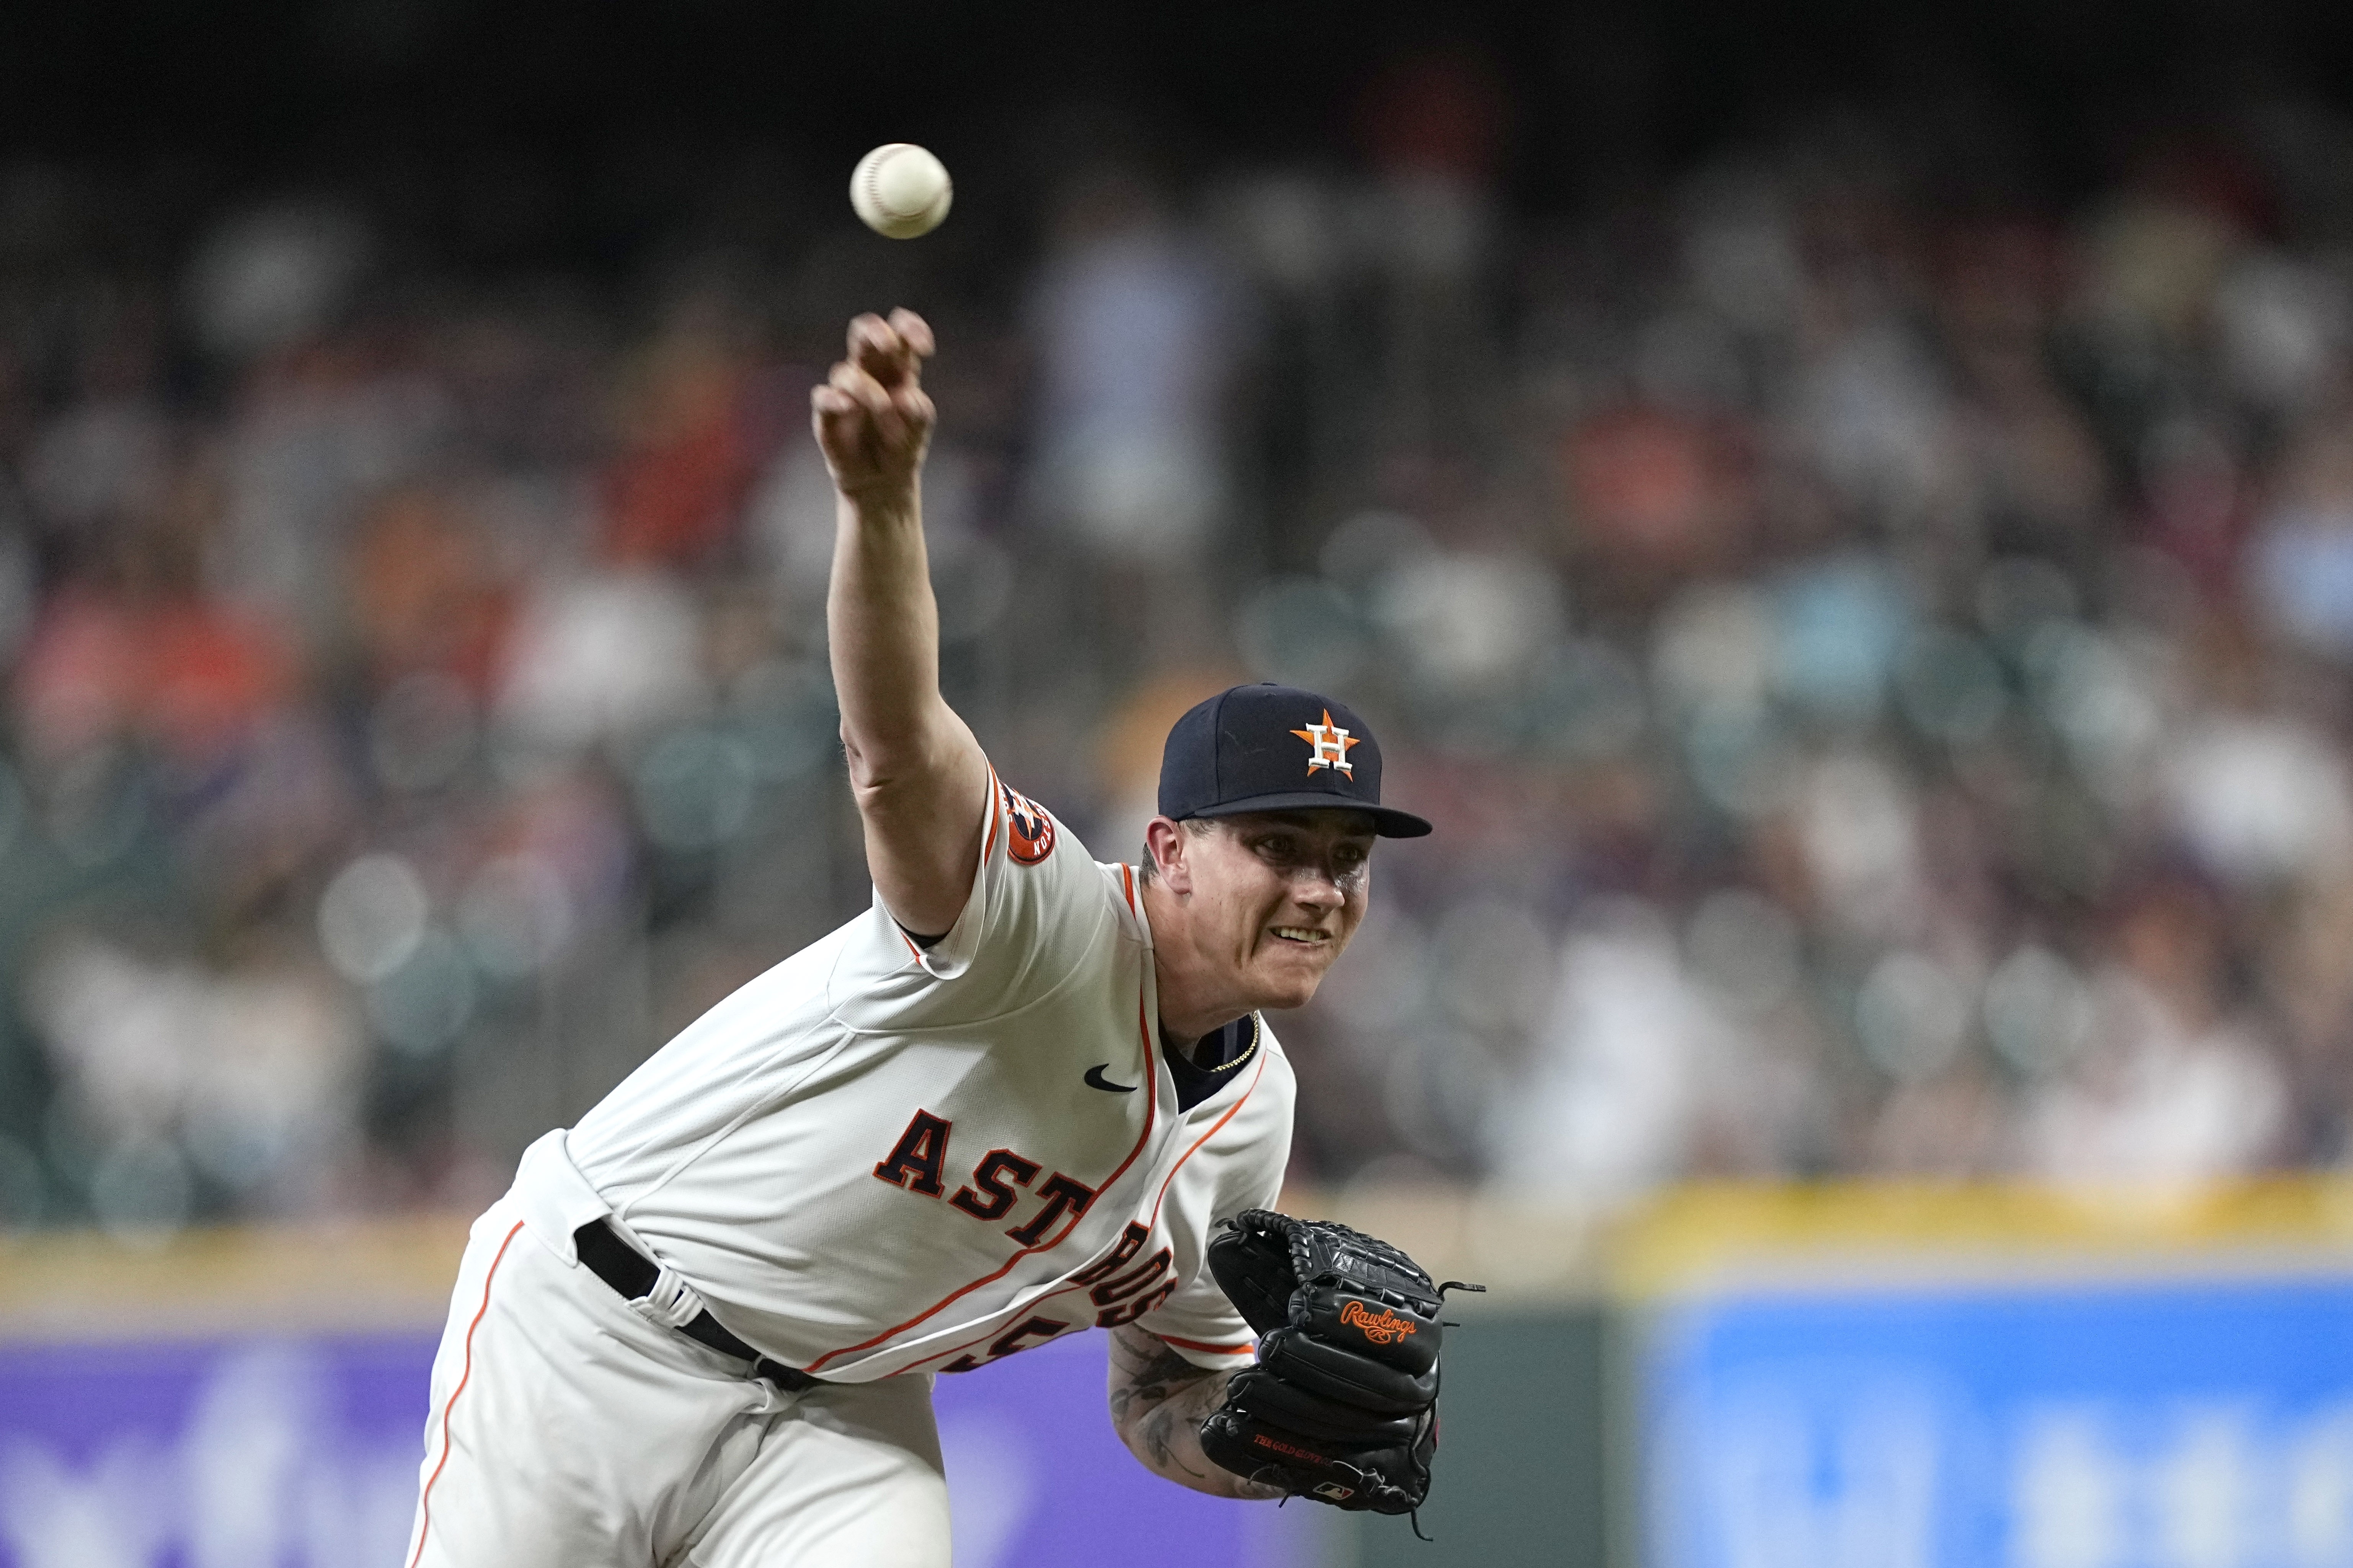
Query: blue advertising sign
column 2202, row 1425
column 303, row 1454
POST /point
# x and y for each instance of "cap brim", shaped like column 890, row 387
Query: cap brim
column 1388, row 822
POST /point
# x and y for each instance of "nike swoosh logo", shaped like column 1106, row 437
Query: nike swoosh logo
column 1095, row 1079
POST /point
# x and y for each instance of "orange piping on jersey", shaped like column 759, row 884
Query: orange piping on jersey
column 425, row 1499
column 995, row 809
column 1151, row 1118
column 1197, row 1345
column 1127, row 875
column 1204, row 1138
column 1156, row 1201
column 916, row 952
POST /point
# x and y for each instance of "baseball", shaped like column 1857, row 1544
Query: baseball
column 900, row 190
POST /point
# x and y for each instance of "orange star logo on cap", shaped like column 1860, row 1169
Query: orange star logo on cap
column 1330, row 745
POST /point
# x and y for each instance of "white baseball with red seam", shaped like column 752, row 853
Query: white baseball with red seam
column 900, row 190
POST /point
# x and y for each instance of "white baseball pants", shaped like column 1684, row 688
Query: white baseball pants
column 567, row 1431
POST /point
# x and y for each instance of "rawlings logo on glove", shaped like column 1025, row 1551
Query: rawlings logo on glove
column 1343, row 1403
column 1386, row 1328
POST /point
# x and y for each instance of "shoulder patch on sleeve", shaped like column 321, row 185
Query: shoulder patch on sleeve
column 1029, row 827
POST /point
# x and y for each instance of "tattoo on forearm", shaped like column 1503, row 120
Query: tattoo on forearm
column 1158, row 1432
column 1159, row 1400
column 1149, row 1379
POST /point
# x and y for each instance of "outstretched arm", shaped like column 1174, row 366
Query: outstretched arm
column 917, row 773
column 1157, row 1402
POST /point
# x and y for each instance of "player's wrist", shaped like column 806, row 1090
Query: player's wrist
column 881, row 502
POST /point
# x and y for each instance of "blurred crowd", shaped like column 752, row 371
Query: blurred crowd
column 1874, row 637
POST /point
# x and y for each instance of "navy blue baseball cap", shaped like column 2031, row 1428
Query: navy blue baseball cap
column 1276, row 748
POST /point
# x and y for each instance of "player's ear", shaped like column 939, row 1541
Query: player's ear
column 1166, row 842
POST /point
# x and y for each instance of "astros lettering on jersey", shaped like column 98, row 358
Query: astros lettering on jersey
column 878, row 1159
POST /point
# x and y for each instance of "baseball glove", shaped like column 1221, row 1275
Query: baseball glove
column 1343, row 1403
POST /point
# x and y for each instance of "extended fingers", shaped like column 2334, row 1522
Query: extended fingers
column 872, row 404
column 891, row 351
column 914, row 331
column 905, row 331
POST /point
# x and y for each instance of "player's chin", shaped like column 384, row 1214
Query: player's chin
column 1288, row 975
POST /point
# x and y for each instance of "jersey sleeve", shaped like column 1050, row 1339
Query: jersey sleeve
column 1196, row 1321
column 1037, row 903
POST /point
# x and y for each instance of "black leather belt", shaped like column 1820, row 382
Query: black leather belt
column 632, row 1273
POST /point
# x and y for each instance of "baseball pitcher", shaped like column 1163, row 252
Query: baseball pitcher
column 1024, row 1095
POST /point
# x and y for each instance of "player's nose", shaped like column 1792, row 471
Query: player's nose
column 1317, row 887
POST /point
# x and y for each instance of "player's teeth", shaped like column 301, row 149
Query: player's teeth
column 1299, row 933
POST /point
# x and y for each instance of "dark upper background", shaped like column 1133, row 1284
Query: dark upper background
column 1844, row 513
column 600, row 106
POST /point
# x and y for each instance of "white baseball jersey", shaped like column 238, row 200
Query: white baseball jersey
column 878, row 1158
